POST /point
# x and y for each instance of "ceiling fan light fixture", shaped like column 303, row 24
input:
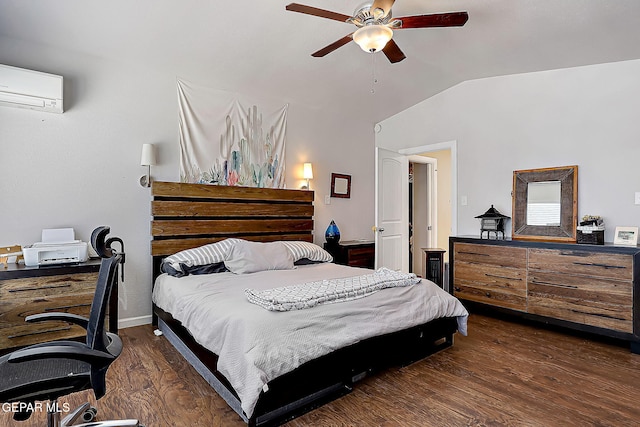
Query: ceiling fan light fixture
column 372, row 38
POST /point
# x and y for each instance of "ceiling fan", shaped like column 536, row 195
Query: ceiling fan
column 375, row 24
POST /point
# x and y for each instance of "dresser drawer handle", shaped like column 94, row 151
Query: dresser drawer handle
column 65, row 307
column 488, row 294
column 536, row 282
column 605, row 266
column 502, row 277
column 37, row 288
column 457, row 289
column 27, row 334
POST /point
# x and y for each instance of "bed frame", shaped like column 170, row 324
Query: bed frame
column 191, row 215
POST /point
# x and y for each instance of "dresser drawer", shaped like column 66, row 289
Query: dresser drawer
column 35, row 287
column 592, row 264
column 501, row 256
column 360, row 257
column 573, row 309
column 353, row 253
column 500, row 286
column 495, row 297
column 600, row 302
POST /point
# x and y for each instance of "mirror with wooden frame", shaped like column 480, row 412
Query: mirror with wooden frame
column 545, row 204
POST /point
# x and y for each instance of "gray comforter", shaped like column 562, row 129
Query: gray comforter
column 255, row 345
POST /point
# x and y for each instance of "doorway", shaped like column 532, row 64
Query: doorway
column 423, row 209
column 392, row 205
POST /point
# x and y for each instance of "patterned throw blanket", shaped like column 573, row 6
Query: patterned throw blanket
column 310, row 294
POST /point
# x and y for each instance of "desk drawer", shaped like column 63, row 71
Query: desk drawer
column 19, row 298
column 14, row 331
column 36, row 287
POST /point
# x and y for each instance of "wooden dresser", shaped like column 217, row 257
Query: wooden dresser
column 31, row 290
column 592, row 288
column 356, row 253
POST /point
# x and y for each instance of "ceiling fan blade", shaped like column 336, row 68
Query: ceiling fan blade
column 453, row 19
column 384, row 5
column 333, row 46
column 295, row 7
column 393, row 52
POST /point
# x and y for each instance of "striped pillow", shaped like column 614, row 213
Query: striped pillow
column 310, row 251
column 214, row 253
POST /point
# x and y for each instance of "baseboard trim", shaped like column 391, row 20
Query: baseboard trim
column 134, row 321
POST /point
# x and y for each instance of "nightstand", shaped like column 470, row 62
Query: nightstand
column 65, row 288
column 434, row 265
column 355, row 253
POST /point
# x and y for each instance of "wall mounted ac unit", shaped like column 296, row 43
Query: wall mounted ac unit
column 30, row 89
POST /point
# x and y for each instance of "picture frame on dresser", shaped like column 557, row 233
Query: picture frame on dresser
column 627, row 236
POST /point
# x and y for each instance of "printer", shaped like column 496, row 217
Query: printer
column 58, row 246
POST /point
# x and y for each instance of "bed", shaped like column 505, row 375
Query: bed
column 271, row 366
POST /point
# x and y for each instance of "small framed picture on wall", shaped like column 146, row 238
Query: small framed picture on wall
column 627, row 236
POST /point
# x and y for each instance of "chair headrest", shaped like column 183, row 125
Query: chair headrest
column 102, row 248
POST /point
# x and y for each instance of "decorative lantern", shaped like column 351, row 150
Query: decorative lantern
column 492, row 221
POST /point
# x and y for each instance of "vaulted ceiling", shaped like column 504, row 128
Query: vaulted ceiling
column 257, row 47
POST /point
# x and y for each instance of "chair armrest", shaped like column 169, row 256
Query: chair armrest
column 68, row 351
column 67, row 317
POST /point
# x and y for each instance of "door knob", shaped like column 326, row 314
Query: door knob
column 380, row 229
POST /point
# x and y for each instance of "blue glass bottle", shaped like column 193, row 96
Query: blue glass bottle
column 332, row 235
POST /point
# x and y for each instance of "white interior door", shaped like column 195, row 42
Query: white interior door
column 392, row 214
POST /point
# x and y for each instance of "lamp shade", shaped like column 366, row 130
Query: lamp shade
column 307, row 171
column 372, row 38
column 148, row 157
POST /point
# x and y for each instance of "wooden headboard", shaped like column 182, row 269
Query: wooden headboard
column 191, row 215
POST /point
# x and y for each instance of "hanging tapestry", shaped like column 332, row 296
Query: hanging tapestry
column 229, row 141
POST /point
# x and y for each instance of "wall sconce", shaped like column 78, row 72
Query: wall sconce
column 147, row 159
column 307, row 173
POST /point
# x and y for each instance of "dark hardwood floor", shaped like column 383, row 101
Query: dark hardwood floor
column 502, row 374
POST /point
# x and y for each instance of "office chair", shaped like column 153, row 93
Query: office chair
column 47, row 371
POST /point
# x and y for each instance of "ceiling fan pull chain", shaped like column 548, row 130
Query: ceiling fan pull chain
column 374, row 80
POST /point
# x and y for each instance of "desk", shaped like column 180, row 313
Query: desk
column 65, row 288
column 356, row 253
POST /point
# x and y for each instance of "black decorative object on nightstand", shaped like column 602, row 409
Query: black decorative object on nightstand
column 355, row 253
column 332, row 235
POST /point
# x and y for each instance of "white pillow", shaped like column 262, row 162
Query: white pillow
column 208, row 254
column 312, row 252
column 250, row 257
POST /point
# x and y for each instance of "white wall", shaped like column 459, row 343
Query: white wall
column 587, row 116
column 81, row 168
